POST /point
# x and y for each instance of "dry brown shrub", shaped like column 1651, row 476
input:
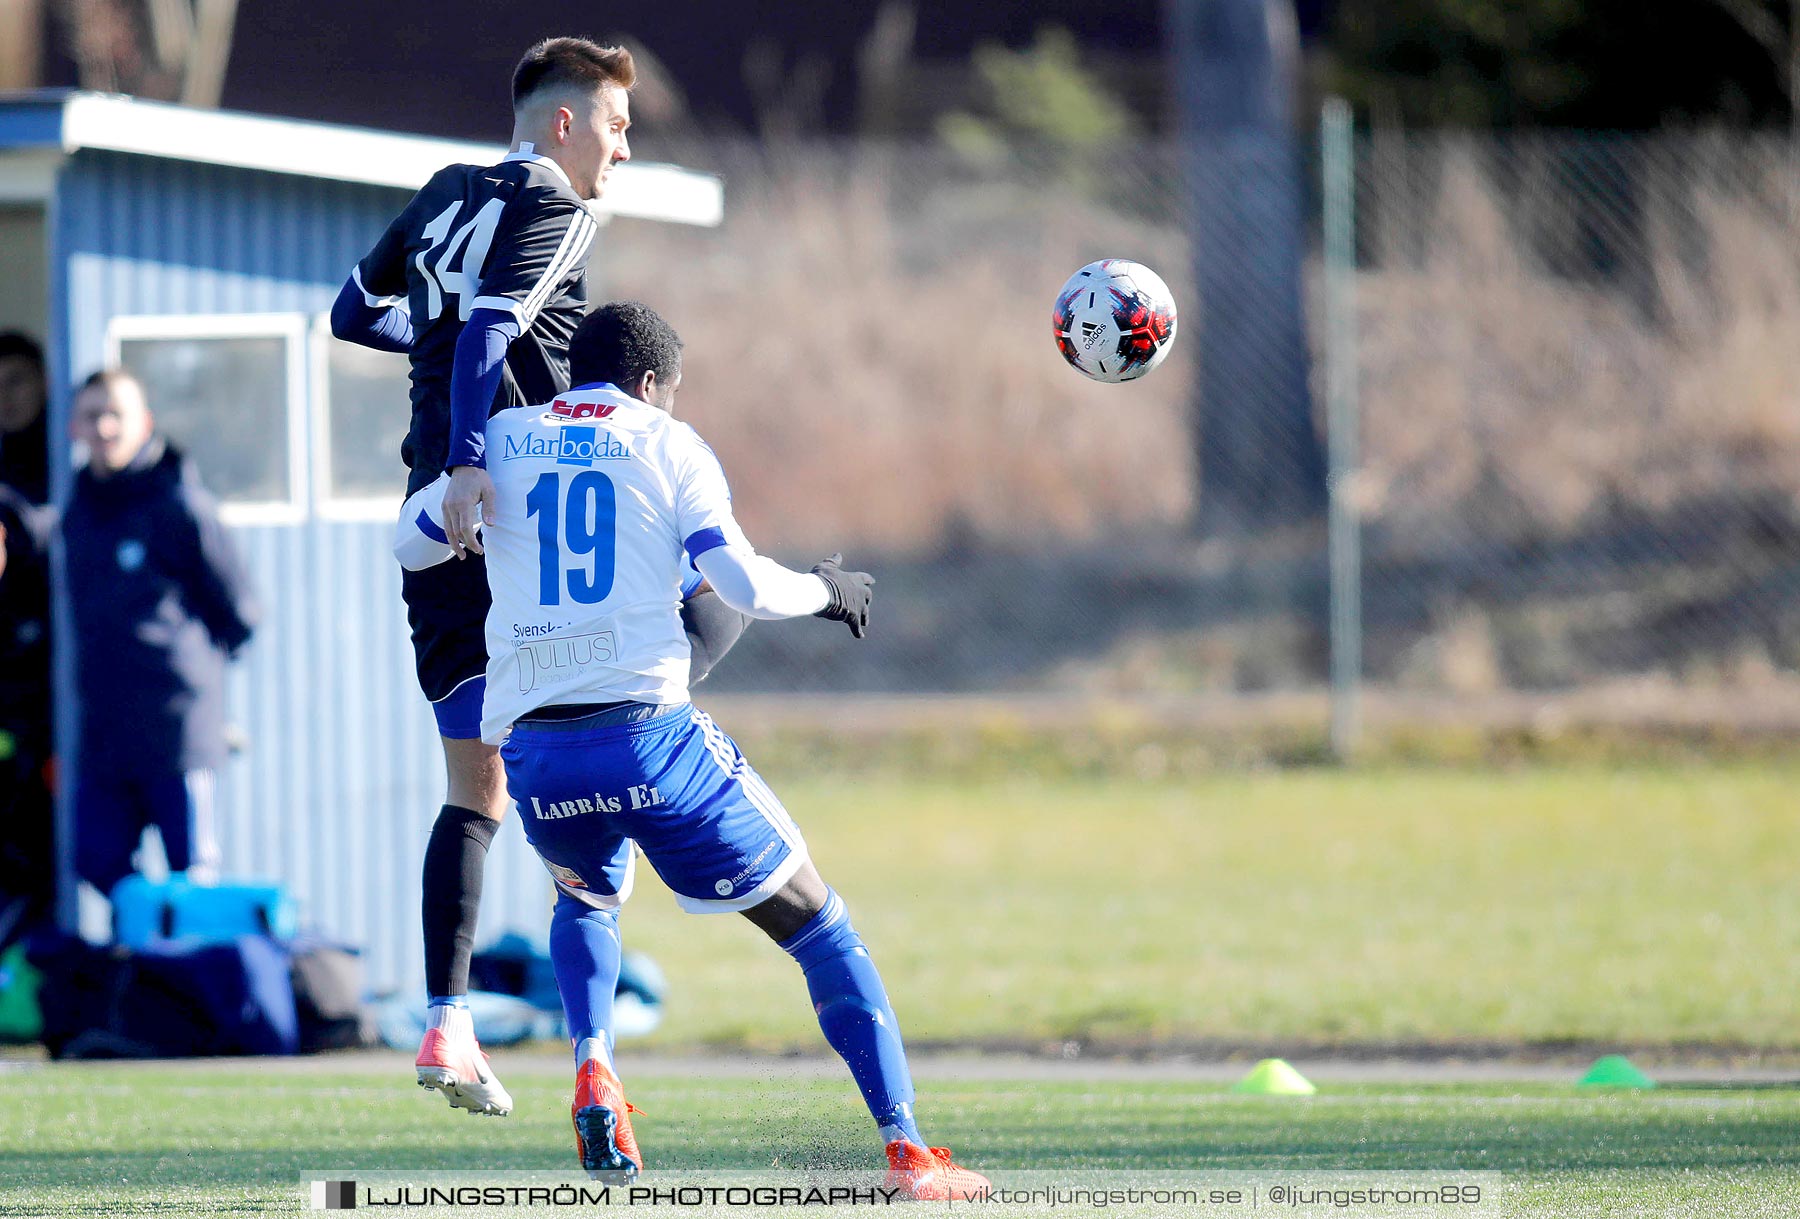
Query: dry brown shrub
column 1502, row 402
column 868, row 350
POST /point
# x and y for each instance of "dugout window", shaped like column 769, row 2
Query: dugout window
column 24, row 268
column 358, row 427
column 230, row 391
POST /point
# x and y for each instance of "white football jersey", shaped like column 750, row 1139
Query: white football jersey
column 600, row 500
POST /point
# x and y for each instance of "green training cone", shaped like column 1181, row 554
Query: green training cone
column 1273, row 1077
column 1614, row 1071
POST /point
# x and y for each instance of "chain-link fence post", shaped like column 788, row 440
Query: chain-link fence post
column 1337, row 153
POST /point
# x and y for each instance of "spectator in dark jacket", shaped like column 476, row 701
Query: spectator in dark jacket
column 24, row 439
column 27, row 819
column 159, row 602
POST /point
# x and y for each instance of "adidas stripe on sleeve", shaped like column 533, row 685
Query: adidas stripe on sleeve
column 550, row 247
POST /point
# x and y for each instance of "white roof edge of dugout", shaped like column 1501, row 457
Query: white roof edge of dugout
column 352, row 154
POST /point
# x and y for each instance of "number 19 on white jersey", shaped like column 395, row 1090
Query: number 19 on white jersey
column 600, row 498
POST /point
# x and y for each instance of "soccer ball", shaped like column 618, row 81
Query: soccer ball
column 1114, row 320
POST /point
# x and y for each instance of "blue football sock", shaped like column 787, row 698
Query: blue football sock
column 855, row 1016
column 584, row 950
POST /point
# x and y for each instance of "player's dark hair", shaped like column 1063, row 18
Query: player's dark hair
column 16, row 343
column 621, row 341
column 571, row 61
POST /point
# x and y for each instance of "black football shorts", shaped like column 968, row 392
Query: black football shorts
column 447, row 606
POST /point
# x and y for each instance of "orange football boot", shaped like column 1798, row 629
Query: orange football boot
column 926, row 1174
column 602, row 1118
column 458, row 1068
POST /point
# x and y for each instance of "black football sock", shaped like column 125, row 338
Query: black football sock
column 454, row 855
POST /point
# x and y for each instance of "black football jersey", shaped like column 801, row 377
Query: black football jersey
column 513, row 237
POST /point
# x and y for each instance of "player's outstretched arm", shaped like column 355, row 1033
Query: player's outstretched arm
column 475, row 373
column 467, row 503
column 712, row 628
column 360, row 317
column 762, row 588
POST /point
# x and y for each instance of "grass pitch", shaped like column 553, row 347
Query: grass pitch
column 235, row 1138
column 1627, row 908
column 1645, row 907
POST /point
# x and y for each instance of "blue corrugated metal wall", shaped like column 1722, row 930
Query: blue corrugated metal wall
column 342, row 775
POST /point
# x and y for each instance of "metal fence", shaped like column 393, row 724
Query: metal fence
column 1577, row 394
column 1581, row 409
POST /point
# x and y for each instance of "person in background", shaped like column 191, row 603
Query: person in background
column 27, row 853
column 158, row 601
column 24, row 441
column 27, row 814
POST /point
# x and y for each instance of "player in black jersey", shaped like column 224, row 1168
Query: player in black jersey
column 481, row 280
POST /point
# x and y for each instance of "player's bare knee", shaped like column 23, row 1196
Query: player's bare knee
column 476, row 777
column 791, row 907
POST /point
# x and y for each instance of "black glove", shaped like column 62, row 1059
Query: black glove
column 850, row 595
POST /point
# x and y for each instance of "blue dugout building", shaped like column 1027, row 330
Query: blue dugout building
column 202, row 250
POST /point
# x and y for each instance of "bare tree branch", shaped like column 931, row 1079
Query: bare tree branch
column 171, row 31
column 1763, row 26
column 203, row 82
column 171, row 50
column 21, row 41
column 883, row 61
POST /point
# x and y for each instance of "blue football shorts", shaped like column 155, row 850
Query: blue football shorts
column 458, row 713
column 675, row 784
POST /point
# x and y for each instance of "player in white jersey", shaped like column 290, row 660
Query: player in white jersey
column 599, row 496
column 579, row 617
